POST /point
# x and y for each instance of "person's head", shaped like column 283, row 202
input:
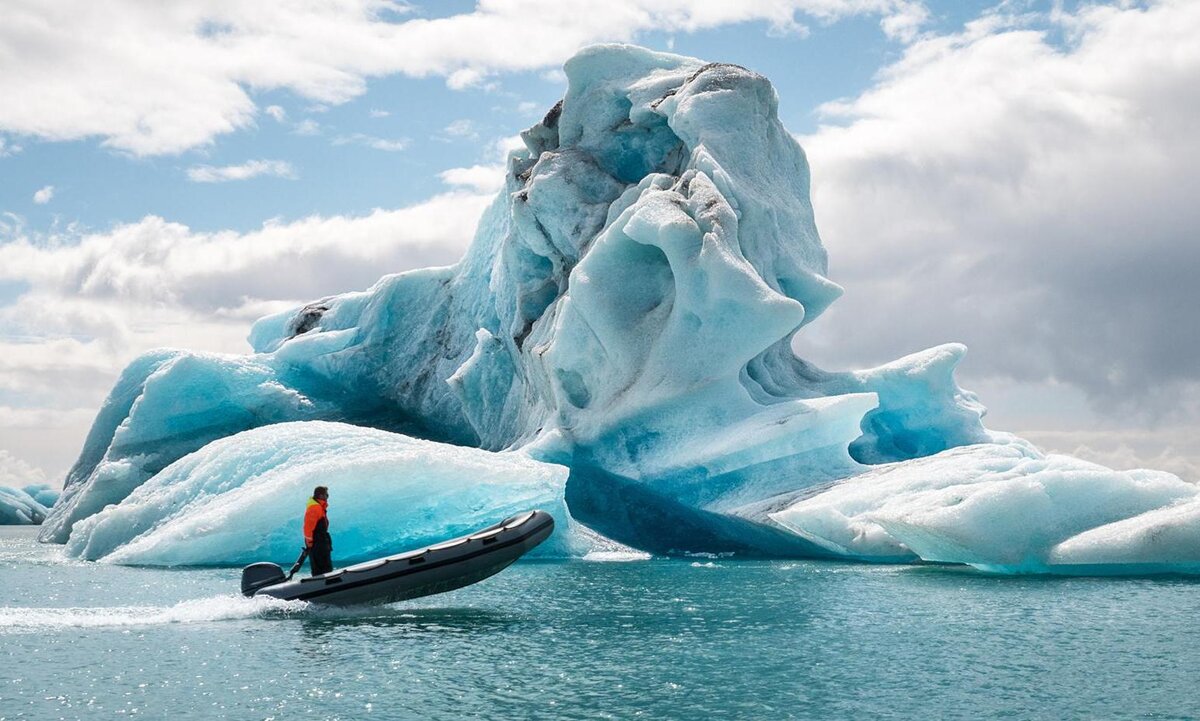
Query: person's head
column 321, row 493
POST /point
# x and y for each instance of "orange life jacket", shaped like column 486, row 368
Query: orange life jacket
column 315, row 520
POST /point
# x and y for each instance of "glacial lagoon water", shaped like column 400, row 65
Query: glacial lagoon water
column 659, row 639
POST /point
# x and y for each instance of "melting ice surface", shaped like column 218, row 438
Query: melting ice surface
column 626, row 311
column 26, row 506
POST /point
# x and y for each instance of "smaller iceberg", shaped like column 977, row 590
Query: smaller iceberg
column 241, row 499
column 1007, row 508
column 26, row 506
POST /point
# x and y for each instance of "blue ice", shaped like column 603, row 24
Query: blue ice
column 242, row 498
column 26, row 506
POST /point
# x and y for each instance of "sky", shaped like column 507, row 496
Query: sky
column 1018, row 176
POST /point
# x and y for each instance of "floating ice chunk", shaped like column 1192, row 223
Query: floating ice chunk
column 43, row 493
column 1005, row 508
column 242, row 498
column 1163, row 540
column 25, row 506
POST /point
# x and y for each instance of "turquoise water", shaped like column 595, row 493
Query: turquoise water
column 659, row 639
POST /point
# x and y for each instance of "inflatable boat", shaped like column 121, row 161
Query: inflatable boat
column 438, row 568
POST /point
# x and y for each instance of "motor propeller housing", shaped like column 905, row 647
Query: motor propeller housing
column 260, row 575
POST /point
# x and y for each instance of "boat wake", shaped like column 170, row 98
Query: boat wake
column 215, row 609
column 15, row 619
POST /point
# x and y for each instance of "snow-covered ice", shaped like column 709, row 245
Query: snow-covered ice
column 627, row 310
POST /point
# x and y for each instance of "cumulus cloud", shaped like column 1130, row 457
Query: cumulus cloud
column 1031, row 193
column 276, row 112
column 464, row 78
column 482, row 178
column 390, row 145
column 1169, row 448
column 308, row 126
column 487, row 177
column 156, row 262
column 7, row 148
column 462, row 128
column 159, row 78
column 45, row 195
column 16, row 473
column 42, row 442
column 245, row 171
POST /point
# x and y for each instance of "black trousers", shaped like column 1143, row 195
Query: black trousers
column 320, row 556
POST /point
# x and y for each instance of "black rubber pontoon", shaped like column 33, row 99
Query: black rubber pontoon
column 441, row 567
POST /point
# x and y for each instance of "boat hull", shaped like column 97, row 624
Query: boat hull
column 438, row 568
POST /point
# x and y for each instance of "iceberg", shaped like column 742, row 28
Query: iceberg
column 626, row 311
column 26, row 506
column 241, row 499
column 1006, row 508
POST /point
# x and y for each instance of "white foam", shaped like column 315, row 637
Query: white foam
column 616, row 556
column 16, row 619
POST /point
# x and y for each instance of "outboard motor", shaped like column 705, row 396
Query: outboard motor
column 260, row 575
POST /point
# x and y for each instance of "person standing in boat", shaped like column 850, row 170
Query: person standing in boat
column 317, row 540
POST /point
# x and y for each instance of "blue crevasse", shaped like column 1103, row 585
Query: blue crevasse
column 626, row 309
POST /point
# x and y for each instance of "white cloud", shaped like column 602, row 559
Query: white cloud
column 376, row 113
column 160, row 78
column 392, row 145
column 905, row 22
column 462, row 128
column 527, row 107
column 17, row 473
column 158, row 263
column 486, row 177
column 308, row 126
column 501, row 147
column 276, row 112
column 1170, row 448
column 481, row 178
column 7, row 148
column 45, row 195
column 1035, row 201
column 46, row 440
column 464, row 78
column 245, row 171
